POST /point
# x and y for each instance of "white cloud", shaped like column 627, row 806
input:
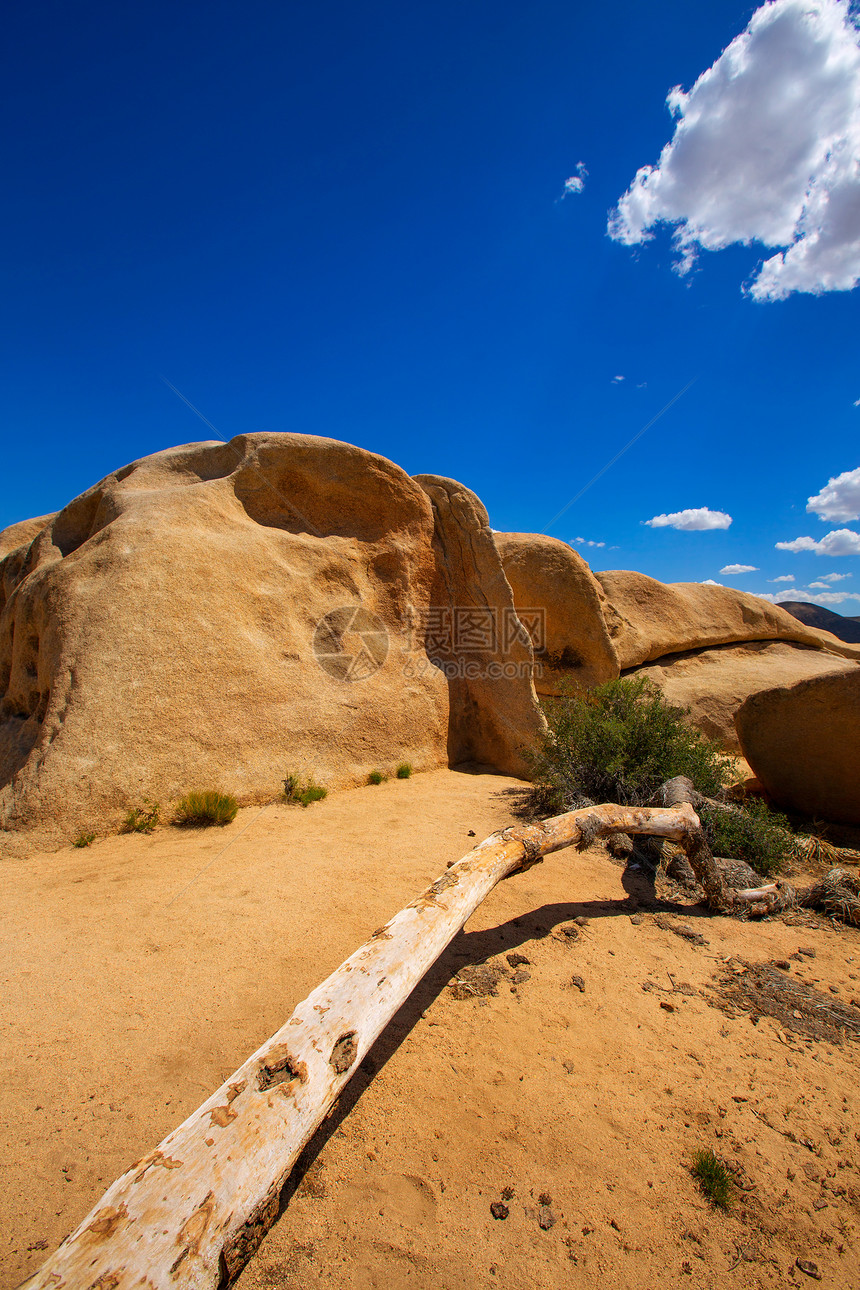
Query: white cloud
column 822, row 586
column 576, row 182
column 709, row 582
column 806, row 597
column 839, row 499
column 783, row 577
column 691, row 520
column 835, row 577
column 766, row 149
column 837, row 542
column 587, row 542
column 616, row 380
column 857, row 403
column 739, row 568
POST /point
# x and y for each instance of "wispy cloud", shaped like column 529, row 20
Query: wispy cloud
column 616, row 380
column 587, row 542
column 839, row 499
column 766, row 149
column 837, row 542
column 575, row 183
column 783, row 577
column 809, row 597
column 694, row 519
column 740, row 568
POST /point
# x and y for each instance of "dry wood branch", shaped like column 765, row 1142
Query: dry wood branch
column 191, row 1212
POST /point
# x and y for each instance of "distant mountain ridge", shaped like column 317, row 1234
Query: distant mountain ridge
column 847, row 629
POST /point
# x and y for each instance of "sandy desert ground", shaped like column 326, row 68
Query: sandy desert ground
column 571, row 1086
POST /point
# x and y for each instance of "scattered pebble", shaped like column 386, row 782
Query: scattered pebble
column 636, row 919
column 581, row 921
column 519, row 977
column 517, row 960
column 578, row 983
column 811, row 1269
column 666, row 1006
column 499, row 1210
column 546, row 1217
column 782, row 964
column 808, row 952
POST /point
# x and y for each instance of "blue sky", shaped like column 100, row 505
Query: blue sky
column 351, row 220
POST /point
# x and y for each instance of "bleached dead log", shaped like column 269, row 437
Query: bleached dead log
column 191, row 1212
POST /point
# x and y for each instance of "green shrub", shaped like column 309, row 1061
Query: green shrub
column 713, row 1176
column 303, row 792
column 141, row 819
column 404, row 770
column 196, row 810
column 376, row 777
column 752, row 832
column 618, row 743
column 84, row 840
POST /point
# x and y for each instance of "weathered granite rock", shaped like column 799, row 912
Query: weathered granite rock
column 803, row 744
column 563, row 604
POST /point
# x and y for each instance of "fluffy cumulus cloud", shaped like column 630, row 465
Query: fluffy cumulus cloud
column 840, row 498
column 692, row 520
column 739, row 568
column 709, row 582
column 783, row 577
column 835, row 577
column 836, row 542
column 576, row 182
column 809, row 597
column 766, row 149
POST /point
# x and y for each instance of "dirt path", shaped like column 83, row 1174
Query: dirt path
column 131, row 994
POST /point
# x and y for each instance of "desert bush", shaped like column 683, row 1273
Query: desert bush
column 404, row 770
column 618, row 743
column 752, row 832
column 376, row 777
column 197, row 810
column 713, row 1176
column 141, row 819
column 84, row 840
column 303, row 792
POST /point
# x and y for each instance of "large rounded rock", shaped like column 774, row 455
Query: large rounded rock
column 647, row 619
column 562, row 603
column 713, row 683
column 475, row 637
column 221, row 615
column 803, row 743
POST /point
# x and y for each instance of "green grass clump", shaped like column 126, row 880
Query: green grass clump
column 618, row 743
column 141, row 819
column 303, row 792
column 713, row 1177
column 84, row 840
column 376, row 777
column 404, row 770
column 752, row 832
column 197, row 810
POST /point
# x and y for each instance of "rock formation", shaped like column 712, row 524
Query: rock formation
column 803, row 743
column 648, row 619
column 562, row 603
column 713, row 683
column 219, row 615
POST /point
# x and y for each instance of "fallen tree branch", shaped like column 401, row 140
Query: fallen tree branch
column 192, row 1212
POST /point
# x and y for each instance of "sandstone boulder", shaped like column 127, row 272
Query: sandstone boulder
column 648, row 619
column 803, row 743
column 21, row 534
column 713, row 683
column 220, row 615
column 475, row 636
column 563, row 605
